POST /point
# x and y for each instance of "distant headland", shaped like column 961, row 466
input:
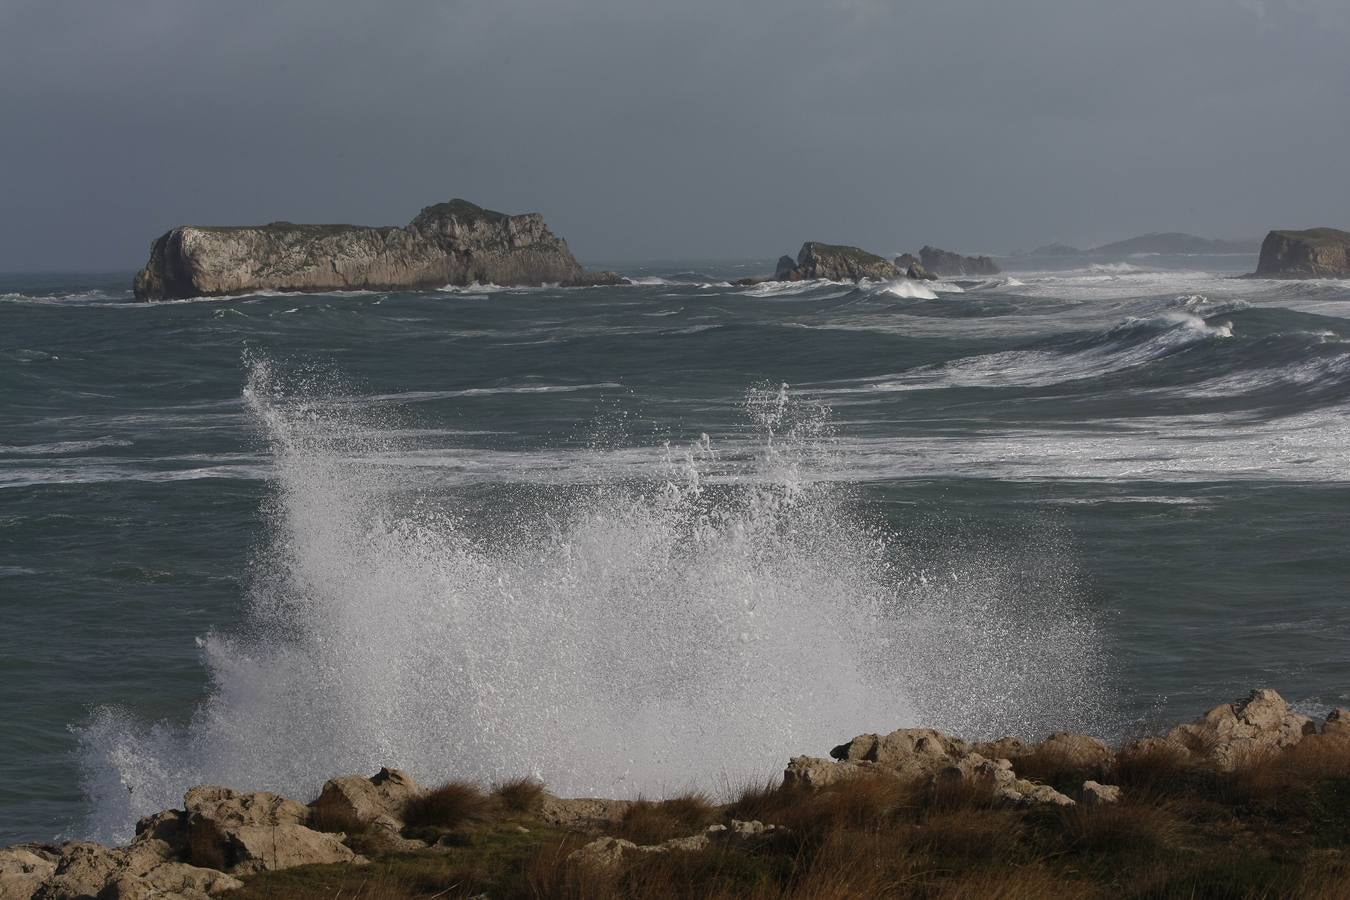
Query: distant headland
column 454, row 243
column 1162, row 242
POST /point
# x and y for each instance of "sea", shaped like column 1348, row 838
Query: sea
column 637, row 539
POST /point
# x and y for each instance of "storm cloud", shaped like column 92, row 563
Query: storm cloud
column 676, row 129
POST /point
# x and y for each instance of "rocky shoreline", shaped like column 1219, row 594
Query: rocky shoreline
column 454, row 243
column 223, row 838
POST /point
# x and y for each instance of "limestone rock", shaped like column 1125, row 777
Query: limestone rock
column 82, row 872
column 1233, row 733
column 358, row 799
column 582, row 814
column 1021, row 792
column 946, row 263
column 171, row 880
column 242, row 833
column 611, row 852
column 810, row 772
column 23, row 869
column 1314, row 253
column 1337, row 723
column 1095, row 794
column 386, row 834
column 604, row 853
column 908, row 752
column 783, row 271
column 259, row 848
column 448, row 243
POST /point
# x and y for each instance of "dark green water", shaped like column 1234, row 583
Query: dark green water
column 1103, row 497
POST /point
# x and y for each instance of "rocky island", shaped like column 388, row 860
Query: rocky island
column 454, row 243
column 842, row 262
column 1313, row 253
column 1252, row 799
column 954, row 265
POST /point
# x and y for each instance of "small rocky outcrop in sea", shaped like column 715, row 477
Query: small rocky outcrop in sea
column 829, row 262
column 948, row 264
column 1314, row 253
column 913, row 267
column 455, row 243
column 838, row 262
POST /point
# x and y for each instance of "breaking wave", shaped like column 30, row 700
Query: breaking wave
column 626, row 637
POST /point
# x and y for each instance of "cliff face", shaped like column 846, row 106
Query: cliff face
column 1314, row 253
column 449, row 243
column 944, row 262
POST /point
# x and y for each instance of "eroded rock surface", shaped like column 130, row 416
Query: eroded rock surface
column 1234, row 733
column 922, row 756
column 1313, row 253
column 241, row 833
column 356, row 799
column 946, row 263
column 611, row 852
column 456, row 243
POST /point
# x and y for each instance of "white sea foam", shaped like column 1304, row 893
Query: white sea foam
column 648, row 636
column 1035, row 368
column 909, row 289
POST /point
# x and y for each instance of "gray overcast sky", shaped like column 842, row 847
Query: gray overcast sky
column 679, row 128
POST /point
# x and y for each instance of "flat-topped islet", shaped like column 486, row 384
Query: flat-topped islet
column 455, row 243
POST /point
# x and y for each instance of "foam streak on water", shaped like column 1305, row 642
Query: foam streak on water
column 654, row 636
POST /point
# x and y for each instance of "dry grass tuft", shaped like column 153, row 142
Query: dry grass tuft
column 1014, row 883
column 520, row 795
column 647, row 822
column 452, row 805
column 1129, row 828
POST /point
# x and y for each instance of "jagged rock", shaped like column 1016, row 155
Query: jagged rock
column 1337, row 723
column 909, row 752
column 811, row 772
column 354, row 798
column 913, row 268
column 1021, row 792
column 82, row 872
column 581, row 814
column 1095, row 794
column 241, row 833
column 1314, row 253
column 604, row 853
column 171, row 881
column 944, row 262
column 923, row 756
column 23, row 869
column 611, row 852
column 783, row 271
column 835, row 262
column 449, row 243
column 386, row 834
column 1233, row 733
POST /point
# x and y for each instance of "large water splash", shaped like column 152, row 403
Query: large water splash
column 696, row 628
